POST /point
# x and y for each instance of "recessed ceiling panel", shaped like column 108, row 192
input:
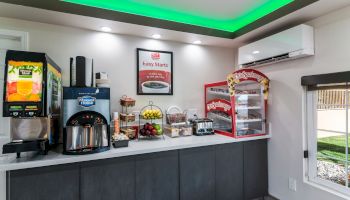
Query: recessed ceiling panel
column 220, row 15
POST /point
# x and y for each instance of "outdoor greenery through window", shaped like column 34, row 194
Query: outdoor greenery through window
column 328, row 121
column 332, row 135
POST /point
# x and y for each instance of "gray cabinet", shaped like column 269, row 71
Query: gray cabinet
column 157, row 176
column 255, row 169
column 59, row 182
column 197, row 173
column 235, row 171
column 228, row 171
column 108, row 179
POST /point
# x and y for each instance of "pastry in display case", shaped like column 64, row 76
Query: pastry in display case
column 238, row 106
column 218, row 107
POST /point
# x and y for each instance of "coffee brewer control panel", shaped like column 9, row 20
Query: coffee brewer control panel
column 87, row 118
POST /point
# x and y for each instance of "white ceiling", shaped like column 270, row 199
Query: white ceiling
column 310, row 12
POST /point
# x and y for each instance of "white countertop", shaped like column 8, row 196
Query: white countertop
column 9, row 162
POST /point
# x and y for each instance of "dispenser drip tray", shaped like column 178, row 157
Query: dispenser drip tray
column 41, row 146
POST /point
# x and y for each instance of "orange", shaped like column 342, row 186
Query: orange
column 15, row 97
column 33, row 97
column 24, row 87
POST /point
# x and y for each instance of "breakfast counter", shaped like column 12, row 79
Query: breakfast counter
column 10, row 162
column 193, row 167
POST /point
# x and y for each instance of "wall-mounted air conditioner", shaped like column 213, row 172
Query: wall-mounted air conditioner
column 293, row 43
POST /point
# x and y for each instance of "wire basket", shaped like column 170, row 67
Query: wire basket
column 127, row 101
column 174, row 115
column 127, row 117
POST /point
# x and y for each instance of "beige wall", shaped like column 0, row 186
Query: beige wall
column 332, row 40
column 116, row 54
column 194, row 65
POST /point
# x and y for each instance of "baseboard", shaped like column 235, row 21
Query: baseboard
column 272, row 198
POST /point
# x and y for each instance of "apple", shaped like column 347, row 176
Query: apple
column 154, row 132
column 159, row 132
column 157, row 126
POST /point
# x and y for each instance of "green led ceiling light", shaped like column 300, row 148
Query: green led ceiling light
column 155, row 10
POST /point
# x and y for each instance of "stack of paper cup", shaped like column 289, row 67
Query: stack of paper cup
column 102, row 80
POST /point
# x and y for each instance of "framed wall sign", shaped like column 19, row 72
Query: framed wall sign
column 154, row 72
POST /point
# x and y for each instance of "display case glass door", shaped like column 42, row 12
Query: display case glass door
column 218, row 107
column 248, row 89
column 249, row 109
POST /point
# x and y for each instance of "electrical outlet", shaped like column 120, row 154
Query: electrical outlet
column 191, row 113
column 292, row 184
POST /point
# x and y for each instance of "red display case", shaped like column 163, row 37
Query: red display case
column 238, row 106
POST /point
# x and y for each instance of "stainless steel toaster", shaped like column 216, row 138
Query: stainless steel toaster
column 202, row 126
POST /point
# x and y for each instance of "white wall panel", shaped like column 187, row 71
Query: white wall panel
column 332, row 45
column 2, row 185
column 194, row 65
column 4, row 44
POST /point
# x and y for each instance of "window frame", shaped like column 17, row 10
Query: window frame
column 310, row 99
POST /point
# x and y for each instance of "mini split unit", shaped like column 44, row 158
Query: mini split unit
column 293, row 43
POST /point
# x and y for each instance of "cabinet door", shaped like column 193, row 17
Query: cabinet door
column 157, row 176
column 59, row 182
column 108, row 179
column 255, row 169
column 197, row 173
column 229, row 171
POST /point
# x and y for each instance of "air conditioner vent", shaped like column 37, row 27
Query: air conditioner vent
column 267, row 60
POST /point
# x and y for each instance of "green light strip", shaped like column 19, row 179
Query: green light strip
column 163, row 13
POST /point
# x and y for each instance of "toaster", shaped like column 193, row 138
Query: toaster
column 202, row 126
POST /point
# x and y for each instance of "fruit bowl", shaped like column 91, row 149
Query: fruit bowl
column 151, row 122
column 151, row 130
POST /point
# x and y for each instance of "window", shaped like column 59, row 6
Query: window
column 327, row 128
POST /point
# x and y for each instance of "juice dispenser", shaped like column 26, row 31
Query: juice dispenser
column 32, row 98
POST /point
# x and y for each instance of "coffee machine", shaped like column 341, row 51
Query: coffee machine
column 86, row 120
column 32, row 98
